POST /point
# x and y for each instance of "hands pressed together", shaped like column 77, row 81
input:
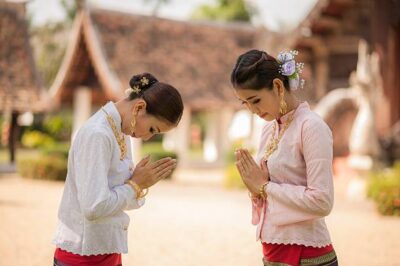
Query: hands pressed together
column 147, row 173
column 254, row 177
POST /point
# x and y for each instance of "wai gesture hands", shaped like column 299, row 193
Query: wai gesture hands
column 253, row 176
column 147, row 173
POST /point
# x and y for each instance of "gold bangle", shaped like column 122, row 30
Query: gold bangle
column 144, row 193
column 251, row 196
column 138, row 190
column 262, row 192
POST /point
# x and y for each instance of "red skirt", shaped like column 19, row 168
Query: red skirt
column 65, row 258
column 295, row 255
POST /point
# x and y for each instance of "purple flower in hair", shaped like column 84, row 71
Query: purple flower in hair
column 283, row 57
column 288, row 68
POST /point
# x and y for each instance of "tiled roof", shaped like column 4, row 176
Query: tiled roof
column 195, row 57
column 19, row 87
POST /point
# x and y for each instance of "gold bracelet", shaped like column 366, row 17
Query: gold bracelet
column 138, row 190
column 251, row 196
column 262, row 192
column 144, row 192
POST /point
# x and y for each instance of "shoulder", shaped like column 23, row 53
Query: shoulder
column 92, row 134
column 315, row 132
column 311, row 122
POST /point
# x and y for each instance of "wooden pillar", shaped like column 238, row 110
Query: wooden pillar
column 223, row 143
column 82, row 106
column 12, row 137
column 321, row 70
column 216, row 143
column 210, row 150
column 178, row 138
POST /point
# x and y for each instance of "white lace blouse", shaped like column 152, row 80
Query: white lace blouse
column 91, row 215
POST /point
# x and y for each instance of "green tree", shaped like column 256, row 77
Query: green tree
column 49, row 43
column 157, row 6
column 71, row 8
column 225, row 10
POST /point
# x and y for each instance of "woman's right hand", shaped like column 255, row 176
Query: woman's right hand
column 147, row 173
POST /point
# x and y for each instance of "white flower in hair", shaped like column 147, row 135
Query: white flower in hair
column 128, row 91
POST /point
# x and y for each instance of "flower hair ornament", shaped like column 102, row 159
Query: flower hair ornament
column 136, row 89
column 291, row 69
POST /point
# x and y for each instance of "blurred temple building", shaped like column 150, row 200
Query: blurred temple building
column 20, row 87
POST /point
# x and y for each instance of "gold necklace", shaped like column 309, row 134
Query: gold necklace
column 118, row 135
column 273, row 143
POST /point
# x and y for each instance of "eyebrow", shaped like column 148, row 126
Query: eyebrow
column 251, row 97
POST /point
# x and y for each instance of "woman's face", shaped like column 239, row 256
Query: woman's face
column 146, row 125
column 263, row 102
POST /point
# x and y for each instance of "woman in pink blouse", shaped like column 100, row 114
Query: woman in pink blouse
column 290, row 183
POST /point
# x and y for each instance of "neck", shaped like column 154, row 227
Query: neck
column 292, row 103
column 123, row 108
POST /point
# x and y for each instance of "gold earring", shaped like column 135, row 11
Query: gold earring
column 282, row 106
column 133, row 124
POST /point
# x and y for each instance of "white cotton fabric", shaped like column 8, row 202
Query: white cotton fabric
column 91, row 215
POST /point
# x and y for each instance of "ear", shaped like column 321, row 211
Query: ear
column 278, row 87
column 139, row 106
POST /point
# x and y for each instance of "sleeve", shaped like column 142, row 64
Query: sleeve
column 292, row 203
column 92, row 163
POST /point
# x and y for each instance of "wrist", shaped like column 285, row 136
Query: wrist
column 262, row 190
column 140, row 193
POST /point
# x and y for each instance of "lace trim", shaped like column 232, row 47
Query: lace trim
column 69, row 247
column 303, row 242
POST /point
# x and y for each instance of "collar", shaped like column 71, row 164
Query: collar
column 302, row 106
column 111, row 109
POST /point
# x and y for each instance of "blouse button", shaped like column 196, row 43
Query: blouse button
column 125, row 228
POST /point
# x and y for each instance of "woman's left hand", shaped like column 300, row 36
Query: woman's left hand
column 252, row 175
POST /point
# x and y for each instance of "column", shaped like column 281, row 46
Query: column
column 82, row 108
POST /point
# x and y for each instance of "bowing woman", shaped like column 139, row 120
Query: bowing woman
column 102, row 182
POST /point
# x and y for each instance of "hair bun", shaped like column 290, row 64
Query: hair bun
column 142, row 81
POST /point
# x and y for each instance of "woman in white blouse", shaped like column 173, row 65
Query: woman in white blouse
column 102, row 182
column 291, row 183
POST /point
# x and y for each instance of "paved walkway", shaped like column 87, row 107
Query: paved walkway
column 183, row 224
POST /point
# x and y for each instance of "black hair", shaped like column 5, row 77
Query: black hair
column 162, row 100
column 256, row 70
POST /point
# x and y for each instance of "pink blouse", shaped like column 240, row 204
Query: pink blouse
column 300, row 191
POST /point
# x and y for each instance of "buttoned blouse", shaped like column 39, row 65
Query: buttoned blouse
column 300, row 191
column 92, row 218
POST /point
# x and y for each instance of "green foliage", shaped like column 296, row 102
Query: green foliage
column 70, row 8
column 59, row 126
column 225, row 10
column 59, row 149
column 157, row 152
column 49, row 43
column 158, row 4
column 37, row 139
column 384, row 189
column 43, row 167
column 232, row 177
